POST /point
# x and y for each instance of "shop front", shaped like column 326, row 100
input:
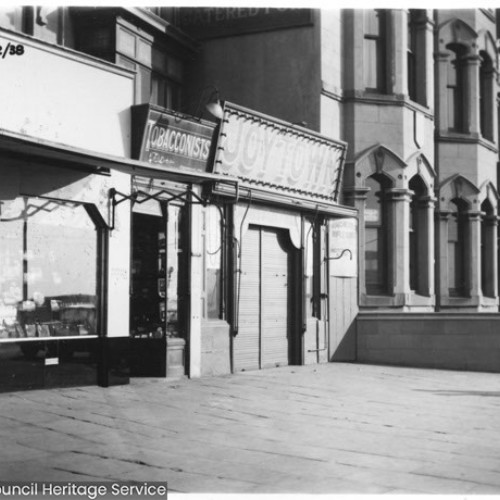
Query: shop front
column 279, row 239
column 167, row 211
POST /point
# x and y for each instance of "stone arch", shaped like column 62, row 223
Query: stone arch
column 457, row 32
column 418, row 164
column 486, row 43
column 489, row 192
column 379, row 159
column 458, row 187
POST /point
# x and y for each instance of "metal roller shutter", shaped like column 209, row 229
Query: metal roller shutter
column 262, row 339
column 274, row 310
column 247, row 342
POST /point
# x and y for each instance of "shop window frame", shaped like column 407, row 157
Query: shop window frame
column 101, row 229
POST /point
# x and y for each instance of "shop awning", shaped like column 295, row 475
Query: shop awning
column 27, row 148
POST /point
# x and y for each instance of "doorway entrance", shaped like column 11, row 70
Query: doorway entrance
column 268, row 333
column 159, row 289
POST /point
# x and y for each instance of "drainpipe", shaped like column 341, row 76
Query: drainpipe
column 437, row 224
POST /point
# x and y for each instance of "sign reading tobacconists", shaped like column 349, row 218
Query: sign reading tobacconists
column 172, row 139
column 271, row 154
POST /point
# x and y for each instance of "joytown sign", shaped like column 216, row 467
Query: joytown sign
column 265, row 153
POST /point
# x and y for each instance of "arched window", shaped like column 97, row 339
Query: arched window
column 418, row 235
column 374, row 47
column 456, row 89
column 457, row 239
column 488, row 222
column 376, row 251
column 486, row 97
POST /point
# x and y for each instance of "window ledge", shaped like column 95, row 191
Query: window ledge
column 450, row 136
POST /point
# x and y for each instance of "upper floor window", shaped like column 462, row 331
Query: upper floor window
column 49, row 23
column 374, row 49
column 166, row 79
column 486, row 95
column 456, row 89
column 416, row 63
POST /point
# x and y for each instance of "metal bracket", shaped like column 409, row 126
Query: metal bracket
column 341, row 255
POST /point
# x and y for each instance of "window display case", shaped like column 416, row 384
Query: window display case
column 49, row 262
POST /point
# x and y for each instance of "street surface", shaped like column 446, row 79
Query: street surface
column 334, row 428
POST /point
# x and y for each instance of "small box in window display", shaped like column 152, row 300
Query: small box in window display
column 30, row 330
column 43, row 330
column 20, row 331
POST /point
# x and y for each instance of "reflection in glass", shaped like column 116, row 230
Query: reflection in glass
column 48, row 257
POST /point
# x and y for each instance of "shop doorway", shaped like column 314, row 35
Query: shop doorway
column 268, row 333
column 159, row 295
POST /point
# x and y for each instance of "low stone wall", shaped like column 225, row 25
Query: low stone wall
column 439, row 340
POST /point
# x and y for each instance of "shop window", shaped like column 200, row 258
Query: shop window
column 213, row 252
column 416, row 64
column 374, row 47
column 486, row 96
column 457, row 241
column 49, row 256
column 456, row 89
column 376, row 244
column 418, row 235
column 48, row 23
column 488, row 249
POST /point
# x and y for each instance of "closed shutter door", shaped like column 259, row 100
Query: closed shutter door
column 247, row 342
column 275, row 275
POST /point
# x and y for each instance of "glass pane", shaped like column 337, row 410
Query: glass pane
column 47, row 23
column 48, row 256
column 371, row 63
column 372, row 260
column 174, row 262
column 213, row 253
column 373, row 207
column 372, row 22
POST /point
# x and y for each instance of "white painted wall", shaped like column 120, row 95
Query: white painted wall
column 58, row 95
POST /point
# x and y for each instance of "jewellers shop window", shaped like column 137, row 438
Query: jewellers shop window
column 48, row 269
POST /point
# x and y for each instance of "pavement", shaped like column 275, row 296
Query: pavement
column 333, row 428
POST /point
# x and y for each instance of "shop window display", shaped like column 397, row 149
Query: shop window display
column 48, row 262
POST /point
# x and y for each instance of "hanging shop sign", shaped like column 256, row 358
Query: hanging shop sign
column 268, row 154
column 212, row 22
column 163, row 137
column 343, row 247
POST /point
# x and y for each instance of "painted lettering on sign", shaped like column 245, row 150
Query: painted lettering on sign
column 170, row 139
column 212, row 22
column 275, row 155
column 343, row 247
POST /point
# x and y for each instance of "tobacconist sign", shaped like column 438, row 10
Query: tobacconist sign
column 212, row 22
column 266, row 153
column 163, row 137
